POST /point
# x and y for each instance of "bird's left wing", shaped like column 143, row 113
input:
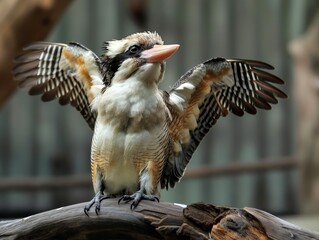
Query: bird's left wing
column 69, row 72
column 206, row 92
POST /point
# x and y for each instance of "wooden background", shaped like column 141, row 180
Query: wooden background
column 42, row 140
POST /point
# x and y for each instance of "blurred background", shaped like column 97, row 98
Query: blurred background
column 268, row 161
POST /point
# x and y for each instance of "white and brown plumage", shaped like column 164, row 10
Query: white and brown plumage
column 143, row 137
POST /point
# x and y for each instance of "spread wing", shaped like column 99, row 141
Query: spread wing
column 70, row 73
column 208, row 91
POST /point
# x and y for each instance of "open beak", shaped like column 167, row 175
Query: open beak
column 159, row 53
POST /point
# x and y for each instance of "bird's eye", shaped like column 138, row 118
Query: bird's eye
column 134, row 49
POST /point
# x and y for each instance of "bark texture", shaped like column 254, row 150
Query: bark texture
column 152, row 220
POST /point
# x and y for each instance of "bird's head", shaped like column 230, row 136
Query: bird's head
column 140, row 55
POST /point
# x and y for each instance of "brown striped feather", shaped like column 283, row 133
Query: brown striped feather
column 38, row 68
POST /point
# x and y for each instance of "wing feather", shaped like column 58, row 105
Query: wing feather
column 208, row 91
column 65, row 72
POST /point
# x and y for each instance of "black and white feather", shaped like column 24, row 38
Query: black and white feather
column 70, row 73
column 208, row 91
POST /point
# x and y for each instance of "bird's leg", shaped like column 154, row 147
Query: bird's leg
column 99, row 196
column 142, row 193
column 97, row 199
column 137, row 197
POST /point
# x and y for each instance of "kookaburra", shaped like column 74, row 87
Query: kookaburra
column 143, row 137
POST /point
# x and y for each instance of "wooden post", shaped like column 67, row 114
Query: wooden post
column 23, row 22
column 152, row 220
column 305, row 54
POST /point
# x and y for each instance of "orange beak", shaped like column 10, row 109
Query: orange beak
column 159, row 53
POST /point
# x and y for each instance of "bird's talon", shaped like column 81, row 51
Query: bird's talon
column 132, row 207
column 125, row 198
column 97, row 210
column 86, row 212
column 98, row 198
column 137, row 197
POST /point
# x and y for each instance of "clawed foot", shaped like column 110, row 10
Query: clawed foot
column 98, row 198
column 137, row 197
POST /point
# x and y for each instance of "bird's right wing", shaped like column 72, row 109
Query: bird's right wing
column 69, row 72
column 206, row 92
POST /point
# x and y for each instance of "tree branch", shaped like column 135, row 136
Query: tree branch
column 305, row 55
column 152, row 220
column 23, row 22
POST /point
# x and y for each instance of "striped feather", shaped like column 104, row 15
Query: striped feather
column 231, row 85
column 52, row 70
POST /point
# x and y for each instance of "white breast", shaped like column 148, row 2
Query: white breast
column 131, row 117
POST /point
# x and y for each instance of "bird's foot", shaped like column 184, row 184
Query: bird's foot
column 98, row 198
column 136, row 198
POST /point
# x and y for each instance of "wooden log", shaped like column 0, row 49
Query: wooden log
column 23, row 22
column 152, row 220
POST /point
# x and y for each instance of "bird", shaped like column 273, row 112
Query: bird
column 143, row 136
